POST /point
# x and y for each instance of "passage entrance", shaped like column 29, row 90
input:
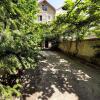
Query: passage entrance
column 46, row 43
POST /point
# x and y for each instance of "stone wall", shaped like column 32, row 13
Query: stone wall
column 87, row 49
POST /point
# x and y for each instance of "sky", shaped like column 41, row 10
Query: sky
column 56, row 3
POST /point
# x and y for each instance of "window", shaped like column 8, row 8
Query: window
column 40, row 18
column 49, row 18
column 44, row 7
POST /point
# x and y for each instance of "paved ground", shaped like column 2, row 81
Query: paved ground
column 63, row 78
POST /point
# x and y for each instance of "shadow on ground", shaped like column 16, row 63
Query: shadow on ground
column 61, row 78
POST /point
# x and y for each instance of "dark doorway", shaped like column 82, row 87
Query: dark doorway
column 46, row 43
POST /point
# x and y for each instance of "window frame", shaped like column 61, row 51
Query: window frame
column 40, row 18
column 44, row 7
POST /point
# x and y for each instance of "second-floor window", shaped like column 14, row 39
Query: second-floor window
column 44, row 7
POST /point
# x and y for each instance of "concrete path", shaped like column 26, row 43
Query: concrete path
column 63, row 78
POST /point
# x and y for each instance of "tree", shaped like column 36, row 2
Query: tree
column 18, row 42
column 81, row 15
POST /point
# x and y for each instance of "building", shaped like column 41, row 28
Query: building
column 47, row 11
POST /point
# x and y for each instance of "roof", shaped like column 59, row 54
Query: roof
column 40, row 1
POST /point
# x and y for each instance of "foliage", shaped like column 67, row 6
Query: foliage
column 82, row 17
column 18, row 42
